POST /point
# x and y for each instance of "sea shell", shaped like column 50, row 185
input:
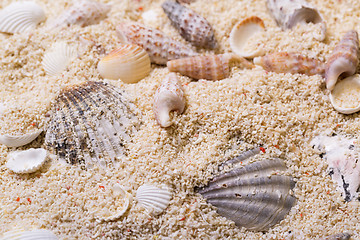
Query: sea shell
column 343, row 60
column 83, row 13
column 168, row 97
column 160, row 47
column 27, row 161
column 284, row 62
column 345, row 97
column 242, row 33
column 58, row 57
column 36, row 234
column 338, row 236
column 91, row 122
column 19, row 140
column 20, row 17
column 191, row 26
column 210, row 67
column 129, row 63
column 154, row 199
column 185, row 1
column 253, row 194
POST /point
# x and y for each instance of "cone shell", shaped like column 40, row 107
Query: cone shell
column 20, row 17
column 253, row 194
column 154, row 199
column 19, row 140
column 159, row 46
column 191, row 26
column 27, row 161
column 284, row 62
column 168, row 97
column 129, row 63
column 38, row 234
column 91, row 122
column 343, row 60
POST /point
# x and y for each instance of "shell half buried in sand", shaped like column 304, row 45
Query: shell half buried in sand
column 35, row 234
column 27, row 161
column 154, row 199
column 19, row 140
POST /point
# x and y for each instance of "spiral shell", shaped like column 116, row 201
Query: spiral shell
column 27, row 161
column 38, row 234
column 343, row 60
column 159, row 46
column 154, row 199
column 191, row 26
column 19, row 140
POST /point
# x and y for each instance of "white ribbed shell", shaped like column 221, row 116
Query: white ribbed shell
column 36, row 234
column 27, row 161
column 154, row 199
column 19, row 140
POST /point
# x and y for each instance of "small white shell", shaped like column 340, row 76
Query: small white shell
column 345, row 97
column 129, row 63
column 27, row 161
column 154, row 199
column 19, row 140
column 243, row 33
column 20, row 17
column 38, row 234
column 58, row 57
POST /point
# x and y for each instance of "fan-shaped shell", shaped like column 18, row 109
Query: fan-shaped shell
column 38, row 234
column 19, row 140
column 20, row 17
column 253, row 194
column 154, row 199
column 91, row 122
column 129, row 63
column 27, row 161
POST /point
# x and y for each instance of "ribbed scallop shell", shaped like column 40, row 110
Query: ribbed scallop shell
column 160, row 47
column 57, row 58
column 20, row 17
column 19, row 140
column 284, row 62
column 343, row 60
column 254, row 195
column 27, row 161
column 168, row 97
column 191, row 26
column 129, row 63
column 154, row 199
column 91, row 123
column 36, row 234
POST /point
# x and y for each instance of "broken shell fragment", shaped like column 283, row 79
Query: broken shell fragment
column 243, row 33
column 154, row 199
column 338, row 236
column 19, row 140
column 168, row 97
column 343, row 60
column 129, row 63
column 38, row 234
column 27, row 161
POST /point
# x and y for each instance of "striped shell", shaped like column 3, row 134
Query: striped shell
column 191, row 26
column 129, row 63
column 35, row 234
column 168, row 97
column 338, row 236
column 91, row 122
column 154, row 199
column 27, row 161
column 19, row 140
column 20, row 17
column 343, row 60
column 160, row 47
column 284, row 62
column 253, row 194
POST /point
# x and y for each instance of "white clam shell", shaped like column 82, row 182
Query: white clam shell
column 242, row 33
column 57, row 58
column 38, row 234
column 345, row 97
column 27, row 161
column 154, row 199
column 21, row 16
column 19, row 140
column 129, row 63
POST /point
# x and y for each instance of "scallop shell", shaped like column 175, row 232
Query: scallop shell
column 129, row 63
column 20, row 17
column 191, row 26
column 27, row 161
column 19, row 140
column 284, row 62
column 38, row 234
column 338, row 236
column 343, row 60
column 253, row 194
column 91, row 122
column 154, row 199
column 58, row 58
column 242, row 33
column 168, row 97
column 159, row 46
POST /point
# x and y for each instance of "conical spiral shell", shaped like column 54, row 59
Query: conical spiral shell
column 284, row 62
column 191, row 26
column 160, row 47
column 91, row 123
column 154, row 199
column 343, row 60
